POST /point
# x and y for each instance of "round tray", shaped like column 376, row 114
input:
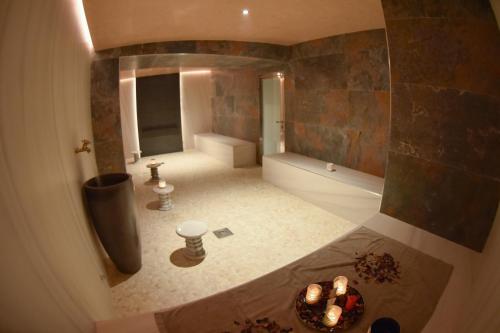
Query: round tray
column 312, row 315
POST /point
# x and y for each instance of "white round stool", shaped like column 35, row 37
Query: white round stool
column 192, row 232
column 164, row 194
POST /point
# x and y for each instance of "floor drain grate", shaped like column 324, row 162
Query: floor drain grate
column 221, row 233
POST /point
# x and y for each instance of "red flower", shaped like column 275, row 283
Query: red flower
column 352, row 300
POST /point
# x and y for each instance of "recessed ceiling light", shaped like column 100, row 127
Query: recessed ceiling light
column 245, row 12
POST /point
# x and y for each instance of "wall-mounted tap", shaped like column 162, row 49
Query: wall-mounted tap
column 85, row 147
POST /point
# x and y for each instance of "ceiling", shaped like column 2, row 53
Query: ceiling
column 116, row 23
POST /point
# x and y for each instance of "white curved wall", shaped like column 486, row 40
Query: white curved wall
column 51, row 277
column 196, row 110
column 128, row 117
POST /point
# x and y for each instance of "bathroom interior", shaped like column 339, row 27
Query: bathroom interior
column 250, row 166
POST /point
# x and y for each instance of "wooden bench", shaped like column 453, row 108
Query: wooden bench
column 351, row 194
column 233, row 152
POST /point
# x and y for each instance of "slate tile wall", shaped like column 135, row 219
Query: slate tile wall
column 444, row 163
column 105, row 109
column 235, row 102
column 337, row 100
column 221, row 47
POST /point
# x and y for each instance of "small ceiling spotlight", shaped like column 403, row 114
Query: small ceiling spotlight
column 245, row 12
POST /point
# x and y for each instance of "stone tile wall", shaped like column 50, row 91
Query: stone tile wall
column 337, row 100
column 443, row 165
column 233, row 48
column 444, row 161
column 105, row 108
column 106, row 100
column 235, row 102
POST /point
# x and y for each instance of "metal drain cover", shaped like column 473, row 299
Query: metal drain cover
column 221, row 233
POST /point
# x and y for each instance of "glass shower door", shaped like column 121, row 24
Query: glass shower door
column 272, row 116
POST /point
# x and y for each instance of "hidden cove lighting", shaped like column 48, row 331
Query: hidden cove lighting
column 196, row 72
column 82, row 23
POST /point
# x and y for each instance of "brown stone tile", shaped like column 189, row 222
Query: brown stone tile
column 258, row 50
column 131, row 50
column 308, row 106
column 368, row 111
column 310, row 140
column 107, row 128
column 367, row 60
column 320, row 73
column 372, row 159
column 404, row 9
column 107, row 54
column 449, row 126
column 359, row 41
column 318, row 47
column 223, row 105
column 477, row 9
column 248, row 49
column 290, row 136
column 244, row 128
column 346, row 107
column 105, row 110
column 446, row 53
column 109, row 159
column 337, row 111
column 246, row 82
column 187, row 46
column 451, row 203
column 247, row 105
column 343, row 147
column 236, row 104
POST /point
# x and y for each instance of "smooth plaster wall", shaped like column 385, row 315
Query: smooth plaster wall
column 235, row 102
column 51, row 277
column 443, row 168
column 196, row 109
column 128, row 117
column 337, row 100
column 481, row 310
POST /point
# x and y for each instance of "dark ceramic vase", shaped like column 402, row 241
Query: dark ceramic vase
column 384, row 325
column 111, row 206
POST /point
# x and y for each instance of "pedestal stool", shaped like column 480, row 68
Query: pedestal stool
column 154, row 170
column 164, row 192
column 192, row 231
column 137, row 155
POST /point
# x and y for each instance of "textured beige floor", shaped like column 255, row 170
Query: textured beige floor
column 271, row 229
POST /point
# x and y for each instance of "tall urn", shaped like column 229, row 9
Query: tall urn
column 111, row 206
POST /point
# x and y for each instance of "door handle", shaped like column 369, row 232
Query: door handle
column 279, row 121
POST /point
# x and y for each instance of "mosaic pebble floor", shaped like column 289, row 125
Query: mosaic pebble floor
column 271, row 229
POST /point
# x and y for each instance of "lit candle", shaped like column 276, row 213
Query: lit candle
column 332, row 315
column 330, row 302
column 340, row 284
column 162, row 184
column 313, row 294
